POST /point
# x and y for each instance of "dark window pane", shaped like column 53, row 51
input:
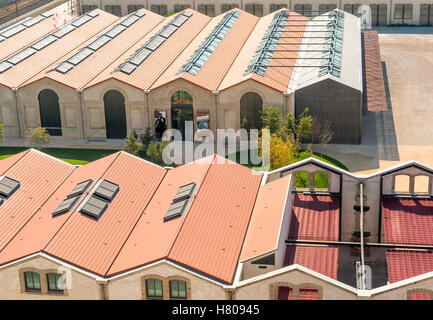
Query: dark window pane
column 32, row 281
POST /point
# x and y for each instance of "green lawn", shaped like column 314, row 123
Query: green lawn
column 73, row 156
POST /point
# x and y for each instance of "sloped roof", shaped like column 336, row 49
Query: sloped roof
column 404, row 264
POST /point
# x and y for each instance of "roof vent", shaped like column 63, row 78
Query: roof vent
column 94, row 207
column 106, row 190
column 180, row 202
column 8, row 186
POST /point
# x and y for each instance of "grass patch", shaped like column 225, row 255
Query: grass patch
column 72, row 156
column 320, row 180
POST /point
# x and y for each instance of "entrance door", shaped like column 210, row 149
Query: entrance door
column 378, row 14
column 115, row 115
column 178, row 117
column 426, row 14
column 50, row 112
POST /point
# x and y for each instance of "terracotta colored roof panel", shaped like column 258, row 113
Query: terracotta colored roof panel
column 156, row 64
column 94, row 244
column 40, row 60
column 408, row 221
column 39, row 176
column 404, row 264
column 32, row 238
column 315, row 218
column 221, row 211
column 91, row 67
column 265, row 224
column 322, row 259
column 152, row 237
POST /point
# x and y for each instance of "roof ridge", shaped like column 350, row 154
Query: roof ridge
column 50, row 156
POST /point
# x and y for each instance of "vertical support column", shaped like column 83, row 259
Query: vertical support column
column 361, row 227
column 311, row 176
column 15, row 92
column 147, row 99
column 412, row 184
column 80, row 101
column 215, row 94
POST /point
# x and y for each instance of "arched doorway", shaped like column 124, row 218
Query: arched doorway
column 50, row 112
column 181, row 110
column 115, row 115
column 251, row 108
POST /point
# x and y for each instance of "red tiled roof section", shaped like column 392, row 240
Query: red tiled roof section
column 408, row 221
column 315, row 218
column 420, row 296
column 94, row 244
column 374, row 96
column 32, row 238
column 285, row 293
column 39, row 176
column 221, row 212
column 322, row 259
column 404, row 264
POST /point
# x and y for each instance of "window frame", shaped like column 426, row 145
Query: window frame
column 56, row 282
column 149, row 297
column 33, row 273
column 171, row 289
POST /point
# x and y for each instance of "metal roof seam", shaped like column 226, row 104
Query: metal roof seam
column 19, row 159
column 135, row 224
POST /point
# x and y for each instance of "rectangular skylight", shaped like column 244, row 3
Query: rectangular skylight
column 180, row 20
column 22, row 55
column 33, row 21
column 47, row 14
column 128, row 68
column 168, row 31
column 94, row 207
column 81, row 20
column 115, row 31
column 93, row 14
column 80, row 56
column 176, row 210
column 140, row 13
column 64, row 67
column 184, row 192
column 130, row 20
column 187, row 13
column 13, row 31
column 98, row 43
column 8, row 186
column 107, row 190
column 66, row 205
column 44, row 42
column 155, row 43
column 4, row 66
column 139, row 57
column 80, row 188
column 64, row 31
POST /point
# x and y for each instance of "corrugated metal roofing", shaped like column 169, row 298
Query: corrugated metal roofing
column 221, row 211
column 408, row 221
column 404, row 264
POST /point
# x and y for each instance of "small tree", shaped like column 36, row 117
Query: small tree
column 37, row 137
column 281, row 151
column 132, row 145
column 154, row 151
column 271, row 119
column 297, row 129
column 2, row 135
column 325, row 135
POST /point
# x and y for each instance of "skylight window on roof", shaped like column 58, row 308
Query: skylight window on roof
column 129, row 21
column 187, row 13
column 332, row 58
column 22, row 55
column 81, row 20
column 93, row 14
column 13, row 31
column 115, row 31
column 139, row 57
column 66, row 205
column 2, row 38
column 33, row 21
column 184, row 192
column 128, row 68
column 80, row 56
column 176, row 210
column 179, row 20
column 94, row 207
column 98, row 43
column 64, row 31
column 4, row 66
column 80, row 188
column 155, row 43
column 140, row 14
column 8, row 186
column 168, row 31
column 208, row 46
column 1, row 200
column 47, row 14
column 107, row 190
column 44, row 42
column 64, row 67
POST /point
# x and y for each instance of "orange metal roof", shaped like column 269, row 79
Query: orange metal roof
column 216, row 67
column 211, row 237
column 276, row 78
column 27, row 36
column 264, row 228
column 152, row 237
column 39, row 176
column 23, row 71
column 94, row 244
column 91, row 67
column 156, row 64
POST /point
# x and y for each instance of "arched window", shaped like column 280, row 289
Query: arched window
column 153, row 288
column 402, row 184
column 181, row 110
column 33, row 281
column 177, row 289
column 251, row 109
column 50, row 112
column 308, row 294
column 115, row 115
